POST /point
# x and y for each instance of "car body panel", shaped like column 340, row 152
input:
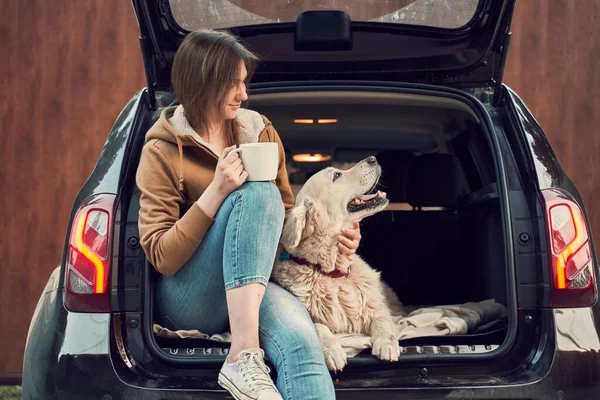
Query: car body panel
column 473, row 55
column 73, row 359
column 545, row 171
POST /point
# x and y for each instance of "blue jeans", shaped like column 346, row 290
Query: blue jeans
column 238, row 249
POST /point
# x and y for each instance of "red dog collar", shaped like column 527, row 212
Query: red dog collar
column 336, row 273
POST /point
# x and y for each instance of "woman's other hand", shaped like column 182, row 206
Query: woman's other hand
column 349, row 240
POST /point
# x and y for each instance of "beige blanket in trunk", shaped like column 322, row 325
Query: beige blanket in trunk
column 428, row 321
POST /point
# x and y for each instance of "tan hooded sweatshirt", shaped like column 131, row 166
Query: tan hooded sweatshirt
column 175, row 168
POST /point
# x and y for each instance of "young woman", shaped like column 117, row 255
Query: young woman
column 214, row 237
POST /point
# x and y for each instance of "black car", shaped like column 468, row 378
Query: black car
column 480, row 208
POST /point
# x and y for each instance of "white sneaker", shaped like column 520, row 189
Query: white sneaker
column 248, row 378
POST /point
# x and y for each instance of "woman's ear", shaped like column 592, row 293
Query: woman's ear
column 297, row 225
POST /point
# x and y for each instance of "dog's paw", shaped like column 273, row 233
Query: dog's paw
column 335, row 356
column 386, row 348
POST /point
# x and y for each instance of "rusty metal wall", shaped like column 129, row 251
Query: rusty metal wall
column 67, row 69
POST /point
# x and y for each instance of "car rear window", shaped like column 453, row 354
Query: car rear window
column 213, row 14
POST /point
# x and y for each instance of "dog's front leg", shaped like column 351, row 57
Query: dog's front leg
column 335, row 356
column 384, row 342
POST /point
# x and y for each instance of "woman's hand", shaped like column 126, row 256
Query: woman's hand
column 229, row 175
column 349, row 240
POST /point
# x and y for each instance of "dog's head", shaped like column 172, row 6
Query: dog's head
column 332, row 199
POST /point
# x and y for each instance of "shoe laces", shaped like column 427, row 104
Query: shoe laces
column 255, row 371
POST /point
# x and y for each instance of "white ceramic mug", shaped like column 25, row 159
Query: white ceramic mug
column 260, row 160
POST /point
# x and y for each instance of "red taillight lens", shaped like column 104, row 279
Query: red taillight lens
column 570, row 250
column 89, row 254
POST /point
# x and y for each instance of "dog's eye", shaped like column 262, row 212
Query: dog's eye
column 336, row 175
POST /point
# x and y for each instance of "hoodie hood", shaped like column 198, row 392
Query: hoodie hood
column 173, row 127
column 173, row 124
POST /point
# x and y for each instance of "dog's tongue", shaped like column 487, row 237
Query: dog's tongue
column 367, row 197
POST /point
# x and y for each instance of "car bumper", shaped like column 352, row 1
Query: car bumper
column 68, row 356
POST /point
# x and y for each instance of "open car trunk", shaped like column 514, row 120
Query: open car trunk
column 441, row 241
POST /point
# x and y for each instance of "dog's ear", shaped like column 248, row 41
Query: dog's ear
column 298, row 224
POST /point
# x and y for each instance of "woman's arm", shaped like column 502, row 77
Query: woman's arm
column 282, row 180
column 210, row 201
column 167, row 239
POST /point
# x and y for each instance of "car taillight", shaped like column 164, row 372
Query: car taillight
column 573, row 281
column 89, row 256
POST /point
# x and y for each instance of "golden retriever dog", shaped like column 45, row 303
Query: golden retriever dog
column 341, row 295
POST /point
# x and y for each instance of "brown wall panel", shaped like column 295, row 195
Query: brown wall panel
column 68, row 67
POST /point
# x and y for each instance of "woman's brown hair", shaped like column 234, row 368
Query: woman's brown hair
column 205, row 67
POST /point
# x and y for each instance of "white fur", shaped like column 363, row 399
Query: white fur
column 361, row 302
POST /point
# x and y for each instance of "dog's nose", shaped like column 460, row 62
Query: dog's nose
column 371, row 160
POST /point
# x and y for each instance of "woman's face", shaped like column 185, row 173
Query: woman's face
column 237, row 94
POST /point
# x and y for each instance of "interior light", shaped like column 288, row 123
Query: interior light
column 304, row 121
column 311, row 157
column 327, row 121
